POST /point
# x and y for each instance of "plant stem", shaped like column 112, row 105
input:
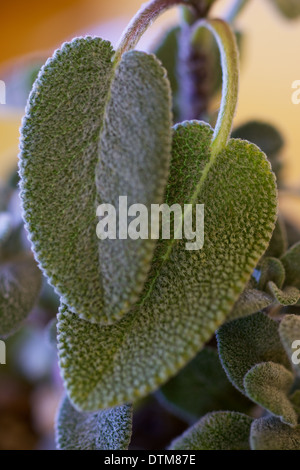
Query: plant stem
column 235, row 9
column 230, row 66
column 145, row 17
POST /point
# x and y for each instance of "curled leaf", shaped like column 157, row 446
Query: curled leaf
column 288, row 296
column 248, row 341
column 268, row 384
column 104, row 430
column 249, row 302
column 271, row 269
column 222, row 430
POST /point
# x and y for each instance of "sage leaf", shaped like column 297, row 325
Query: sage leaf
column 271, row 269
column 201, row 387
column 135, row 153
column 104, row 430
column 59, row 153
column 289, row 8
column 262, row 134
column 250, row 301
column 248, row 341
column 272, row 434
column 289, row 331
column 279, row 241
column 223, row 430
column 188, row 294
column 268, row 384
column 288, row 296
column 20, row 283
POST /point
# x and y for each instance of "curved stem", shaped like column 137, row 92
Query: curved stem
column 234, row 10
column 230, row 66
column 142, row 20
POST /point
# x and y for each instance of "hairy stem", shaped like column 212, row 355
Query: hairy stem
column 145, row 17
column 230, row 66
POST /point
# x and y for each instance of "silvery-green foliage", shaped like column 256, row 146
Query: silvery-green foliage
column 245, row 342
column 104, row 430
column 288, row 296
column 271, row 270
column 268, row 385
column 271, row 433
column 201, row 387
column 60, row 151
column 289, row 331
column 20, row 283
column 223, row 430
column 188, row 293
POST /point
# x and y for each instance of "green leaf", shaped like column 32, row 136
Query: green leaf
column 279, row 241
column 202, row 386
column 291, row 263
column 167, row 52
column 248, row 341
column 271, row 269
column 249, row 302
column 135, row 153
column 288, row 296
column 20, row 283
column 289, row 331
column 104, row 430
column 289, row 8
column 222, row 430
column 189, row 293
column 272, row 434
column 59, row 156
column 268, row 384
column 295, row 400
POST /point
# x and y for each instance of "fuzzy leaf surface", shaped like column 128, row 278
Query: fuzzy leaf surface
column 272, row 434
column 188, row 293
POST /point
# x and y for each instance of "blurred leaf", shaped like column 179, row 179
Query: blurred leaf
column 135, row 153
column 271, row 269
column 202, row 386
column 295, row 400
column 20, row 283
column 264, row 135
column 189, row 293
column 289, row 8
column 289, row 331
column 250, row 301
column 167, row 53
column 104, row 430
column 222, row 430
column 288, row 296
column 51, row 332
column 248, row 341
column 279, row 243
column 6, row 226
column 268, row 384
column 291, row 263
column 272, row 434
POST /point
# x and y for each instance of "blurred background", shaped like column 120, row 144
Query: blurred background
column 30, row 386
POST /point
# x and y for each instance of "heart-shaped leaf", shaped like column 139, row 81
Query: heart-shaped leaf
column 201, row 387
column 289, row 331
column 272, row 434
column 104, row 430
column 248, row 341
column 20, row 283
column 268, row 384
column 189, row 293
column 59, row 155
column 222, row 430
